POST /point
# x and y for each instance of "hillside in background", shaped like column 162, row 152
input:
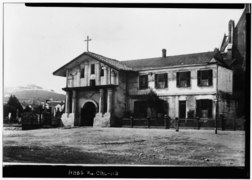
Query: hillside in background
column 32, row 94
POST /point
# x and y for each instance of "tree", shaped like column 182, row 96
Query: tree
column 155, row 104
column 13, row 106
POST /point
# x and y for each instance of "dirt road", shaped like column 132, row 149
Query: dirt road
column 86, row 145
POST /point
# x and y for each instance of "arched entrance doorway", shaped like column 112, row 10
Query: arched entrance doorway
column 88, row 112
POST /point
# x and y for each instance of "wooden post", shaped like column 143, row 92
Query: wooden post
column 131, row 121
column 177, row 124
column 165, row 121
column 222, row 122
column 148, row 122
column 234, row 124
column 198, row 122
column 217, row 102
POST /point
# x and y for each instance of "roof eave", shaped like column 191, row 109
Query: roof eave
column 64, row 66
column 169, row 67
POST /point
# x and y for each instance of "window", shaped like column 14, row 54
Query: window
column 92, row 82
column 205, row 77
column 204, row 108
column 161, row 81
column 182, row 109
column 140, row 109
column 143, row 81
column 82, row 72
column 101, row 72
column 92, row 68
column 184, row 79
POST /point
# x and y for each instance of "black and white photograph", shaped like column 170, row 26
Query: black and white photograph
column 102, row 90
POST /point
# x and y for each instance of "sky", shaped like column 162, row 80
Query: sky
column 39, row 40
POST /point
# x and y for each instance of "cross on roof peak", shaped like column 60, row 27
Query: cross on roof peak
column 87, row 40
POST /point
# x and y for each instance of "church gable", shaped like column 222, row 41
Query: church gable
column 89, row 56
column 91, row 72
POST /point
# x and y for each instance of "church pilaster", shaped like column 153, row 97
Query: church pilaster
column 109, row 75
column 109, row 101
column 105, row 75
column 67, row 108
column 101, row 101
column 98, row 76
column 74, row 101
column 86, row 74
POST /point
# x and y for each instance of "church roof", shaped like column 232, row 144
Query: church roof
column 203, row 58
column 82, row 57
column 112, row 62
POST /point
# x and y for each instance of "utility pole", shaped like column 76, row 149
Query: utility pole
column 217, row 101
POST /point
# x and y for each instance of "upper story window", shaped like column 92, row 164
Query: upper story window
column 143, row 81
column 184, row 79
column 82, row 72
column 101, row 72
column 205, row 77
column 92, row 68
column 161, row 81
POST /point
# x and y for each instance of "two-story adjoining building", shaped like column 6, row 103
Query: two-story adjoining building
column 100, row 91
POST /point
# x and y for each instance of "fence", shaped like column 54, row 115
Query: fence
column 194, row 123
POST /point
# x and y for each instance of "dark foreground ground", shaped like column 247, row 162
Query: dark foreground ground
column 86, row 145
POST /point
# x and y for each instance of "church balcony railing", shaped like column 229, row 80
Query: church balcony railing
column 97, row 87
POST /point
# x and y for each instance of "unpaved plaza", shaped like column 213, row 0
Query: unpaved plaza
column 87, row 145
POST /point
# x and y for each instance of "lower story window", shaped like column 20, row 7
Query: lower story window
column 204, row 108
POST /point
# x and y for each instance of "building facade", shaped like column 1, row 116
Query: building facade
column 101, row 91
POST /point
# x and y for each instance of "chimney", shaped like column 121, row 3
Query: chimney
column 164, row 53
column 231, row 31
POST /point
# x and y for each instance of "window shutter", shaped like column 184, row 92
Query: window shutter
column 166, row 80
column 197, row 108
column 139, row 82
column 210, row 77
column 188, row 75
column 199, row 77
column 155, row 80
column 177, row 77
column 210, row 107
column 146, row 81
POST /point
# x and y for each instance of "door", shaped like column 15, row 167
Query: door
column 87, row 114
column 182, row 109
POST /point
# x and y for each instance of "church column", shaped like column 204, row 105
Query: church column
column 109, row 100
column 101, row 101
column 74, row 101
column 105, row 75
column 67, row 106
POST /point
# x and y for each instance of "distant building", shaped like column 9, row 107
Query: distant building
column 234, row 51
column 55, row 106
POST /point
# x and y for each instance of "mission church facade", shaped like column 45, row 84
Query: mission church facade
column 101, row 91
